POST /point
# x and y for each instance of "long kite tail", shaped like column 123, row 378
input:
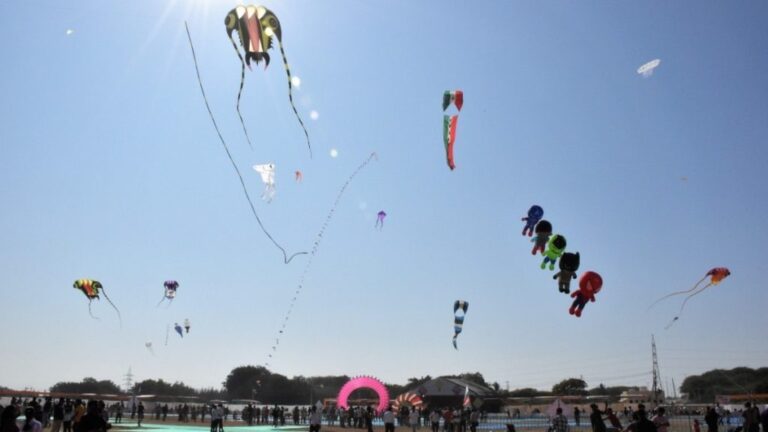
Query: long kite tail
column 678, row 293
column 90, row 312
column 692, row 295
column 286, row 258
column 290, row 94
column 160, row 302
column 242, row 83
column 315, row 247
column 119, row 317
column 167, row 332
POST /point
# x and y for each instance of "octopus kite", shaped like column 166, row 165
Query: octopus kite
column 92, row 289
column 589, row 285
column 716, row 275
column 450, row 122
column 459, row 311
column 543, row 230
column 170, row 291
column 256, row 26
column 380, row 219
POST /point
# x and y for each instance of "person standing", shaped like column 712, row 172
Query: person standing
column 660, row 421
column 141, row 413
column 58, row 415
column 413, row 419
column 577, row 416
column 764, row 419
column 711, row 419
column 596, row 418
column 8, row 419
column 315, row 420
column 751, row 418
column 559, row 421
column 614, row 419
column 434, row 420
column 474, row 420
column 119, row 412
column 389, row 419
column 69, row 414
column 31, row 424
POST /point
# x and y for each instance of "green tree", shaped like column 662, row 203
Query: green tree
column 570, row 386
column 87, row 385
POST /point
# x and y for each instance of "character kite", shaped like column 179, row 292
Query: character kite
column 569, row 263
column 543, row 230
column 186, row 325
column 534, row 216
column 716, row 275
column 589, row 285
column 459, row 311
column 256, row 26
column 555, row 248
column 92, row 289
column 170, row 291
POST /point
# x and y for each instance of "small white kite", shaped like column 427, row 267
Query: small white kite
column 647, row 69
column 149, row 347
column 267, row 173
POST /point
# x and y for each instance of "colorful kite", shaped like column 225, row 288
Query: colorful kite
column 92, row 289
column 543, row 230
column 178, row 329
column 407, row 399
column 267, row 173
column 589, row 285
column 555, row 248
column 534, row 216
column 186, row 324
column 459, row 311
column 716, row 275
column 569, row 263
column 256, row 25
column 450, row 122
column 299, row 176
column 380, row 219
column 170, row 291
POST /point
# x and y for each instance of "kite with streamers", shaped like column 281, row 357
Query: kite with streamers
column 589, row 285
column 459, row 311
column 299, row 176
column 313, row 253
column 92, row 289
column 286, row 257
column 170, row 291
column 186, row 325
column 535, row 214
column 267, row 173
column 450, row 122
column 178, row 329
column 716, row 275
column 256, row 26
column 380, row 219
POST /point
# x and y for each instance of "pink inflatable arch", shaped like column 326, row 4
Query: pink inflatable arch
column 363, row 382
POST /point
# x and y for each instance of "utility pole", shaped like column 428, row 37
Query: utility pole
column 655, row 390
column 128, row 380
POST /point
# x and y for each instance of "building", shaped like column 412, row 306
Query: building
column 446, row 392
column 641, row 395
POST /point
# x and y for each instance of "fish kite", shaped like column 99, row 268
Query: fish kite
column 589, row 285
column 92, row 289
column 459, row 311
column 716, row 275
column 535, row 214
column 186, row 324
column 170, row 291
column 178, row 329
column 449, row 123
column 647, row 69
column 256, row 26
column 267, row 173
column 299, row 176
column 380, row 219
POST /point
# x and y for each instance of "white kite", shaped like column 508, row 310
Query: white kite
column 647, row 69
column 267, row 173
column 149, row 347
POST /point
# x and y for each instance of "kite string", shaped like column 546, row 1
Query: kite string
column 315, row 247
column 286, row 258
column 290, row 93
column 242, row 83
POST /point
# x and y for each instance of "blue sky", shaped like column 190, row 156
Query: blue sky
column 110, row 169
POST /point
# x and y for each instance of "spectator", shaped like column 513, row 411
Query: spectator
column 577, row 416
column 92, row 421
column 559, row 422
column 712, row 420
column 141, row 413
column 751, row 418
column 58, row 415
column 31, row 424
column 315, row 420
column 8, row 419
column 615, row 423
column 413, row 419
column 596, row 418
column 69, row 414
column 660, row 421
column 474, row 420
column 434, row 420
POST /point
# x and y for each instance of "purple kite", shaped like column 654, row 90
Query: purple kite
column 380, row 219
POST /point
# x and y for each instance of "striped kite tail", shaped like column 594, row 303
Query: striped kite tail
column 240, row 92
column 290, row 94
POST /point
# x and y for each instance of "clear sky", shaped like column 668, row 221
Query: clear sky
column 110, row 169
